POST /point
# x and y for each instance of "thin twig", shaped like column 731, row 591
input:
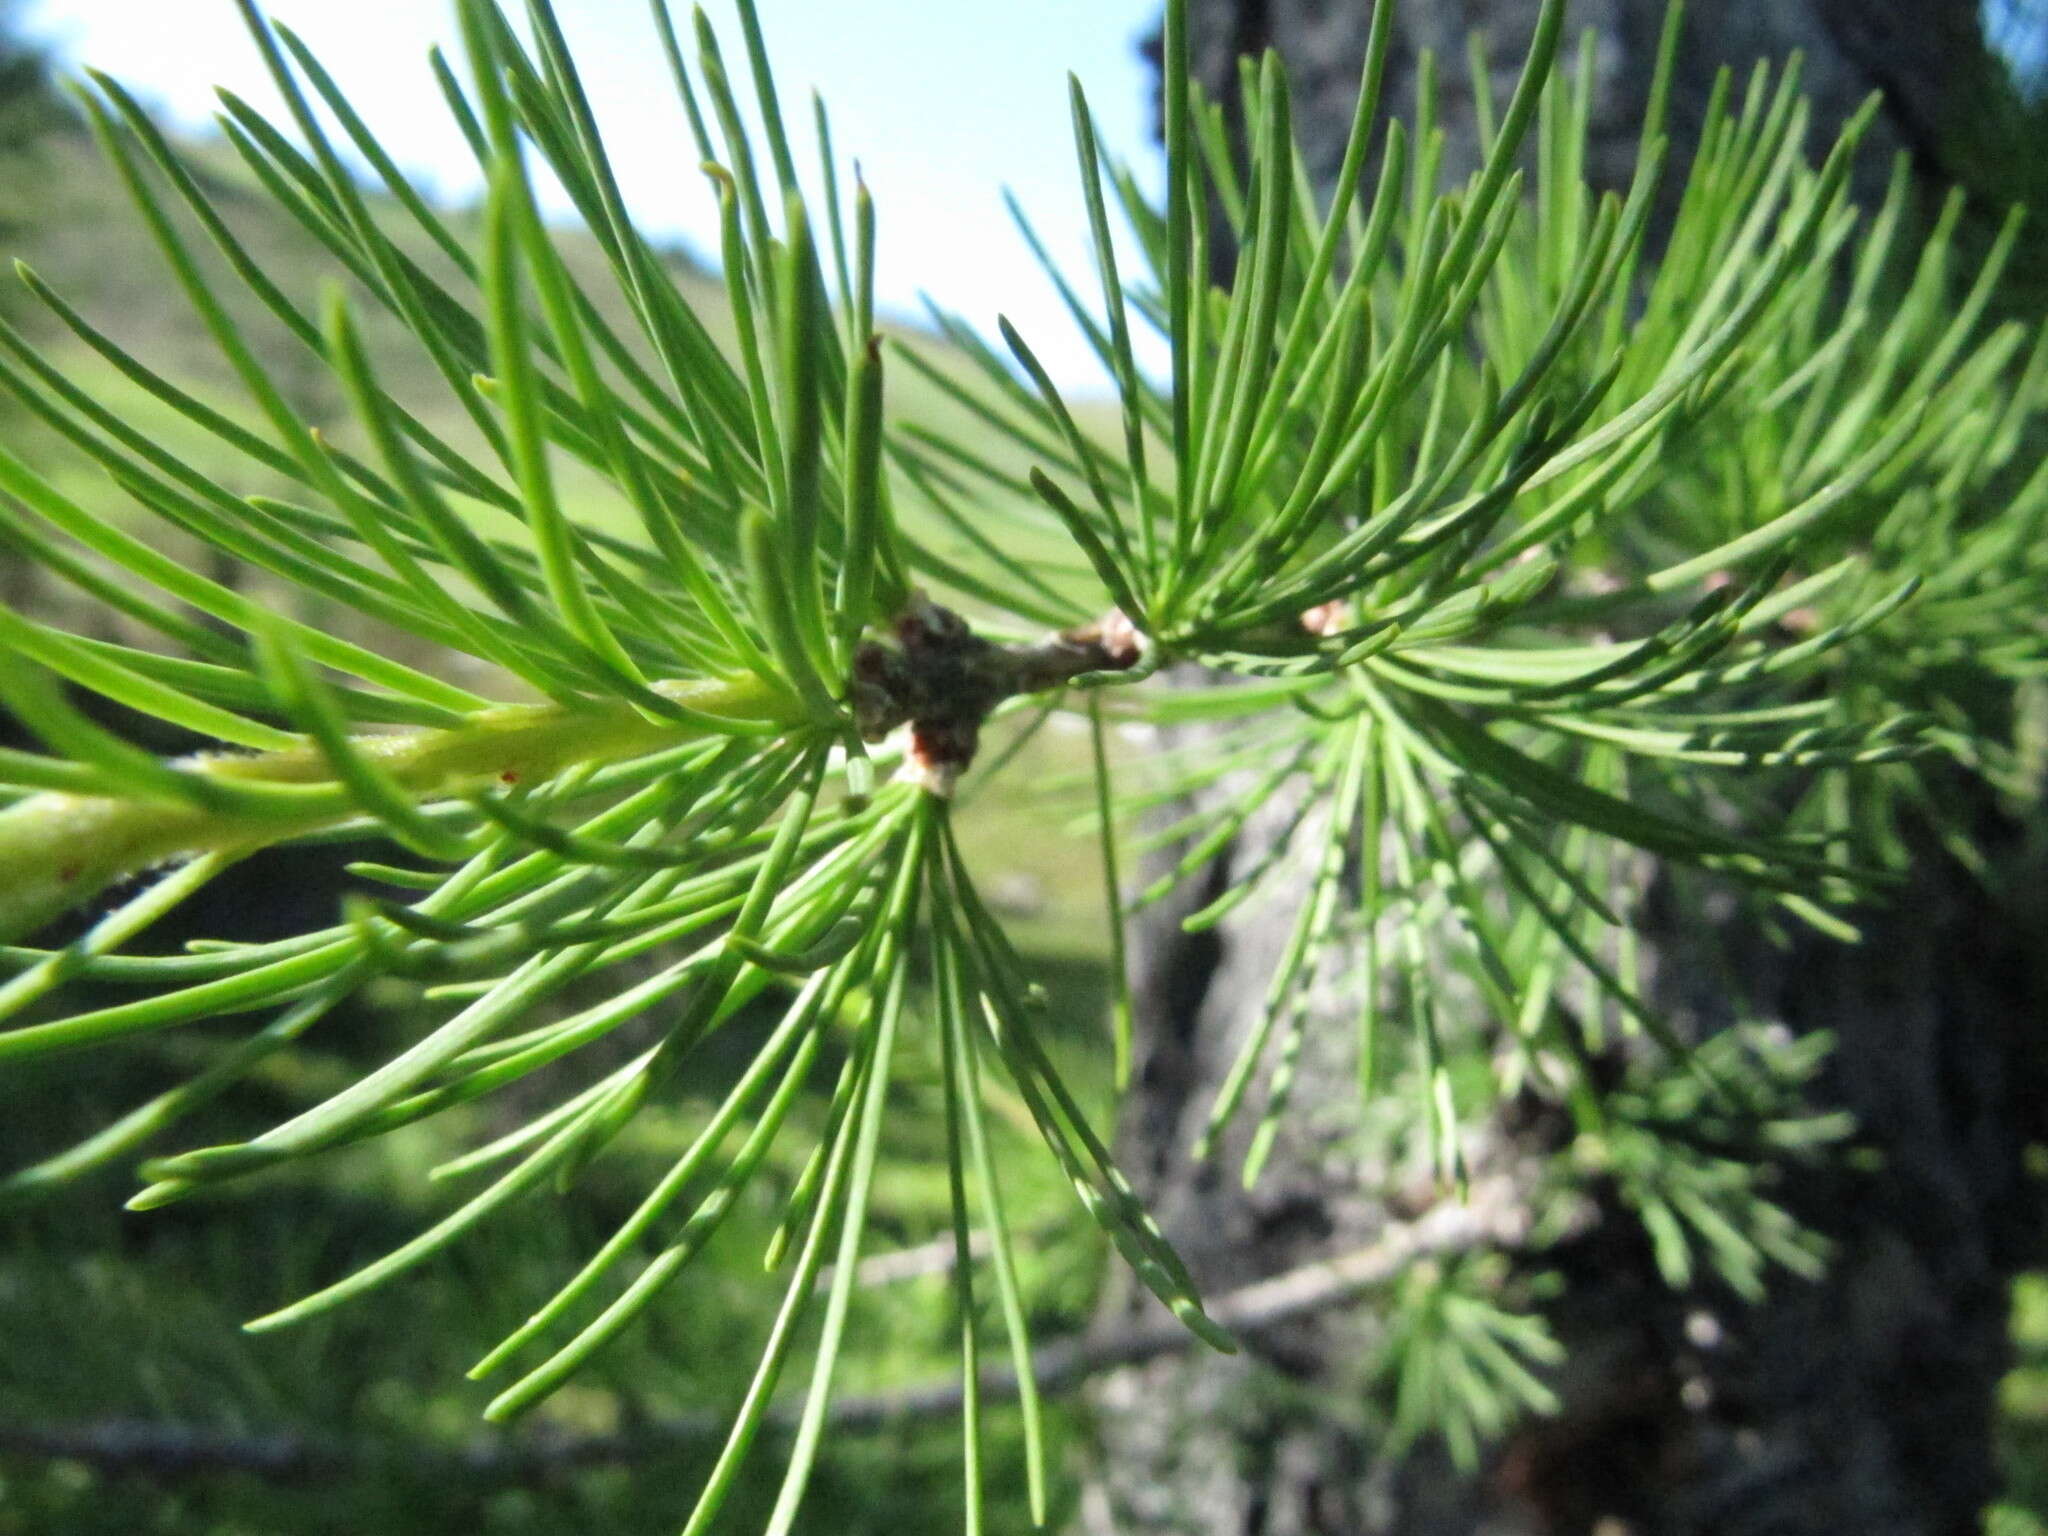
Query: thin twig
column 164, row 1451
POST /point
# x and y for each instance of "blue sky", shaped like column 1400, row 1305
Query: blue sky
column 2018, row 29
column 943, row 104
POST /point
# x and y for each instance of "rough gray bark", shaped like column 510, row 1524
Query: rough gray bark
column 1925, row 56
column 1861, row 1403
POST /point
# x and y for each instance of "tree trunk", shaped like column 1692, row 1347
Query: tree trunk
column 1861, row 1402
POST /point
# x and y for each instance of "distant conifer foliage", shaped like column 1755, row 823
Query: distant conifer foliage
column 1510, row 550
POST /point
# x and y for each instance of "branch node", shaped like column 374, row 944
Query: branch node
column 936, row 675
